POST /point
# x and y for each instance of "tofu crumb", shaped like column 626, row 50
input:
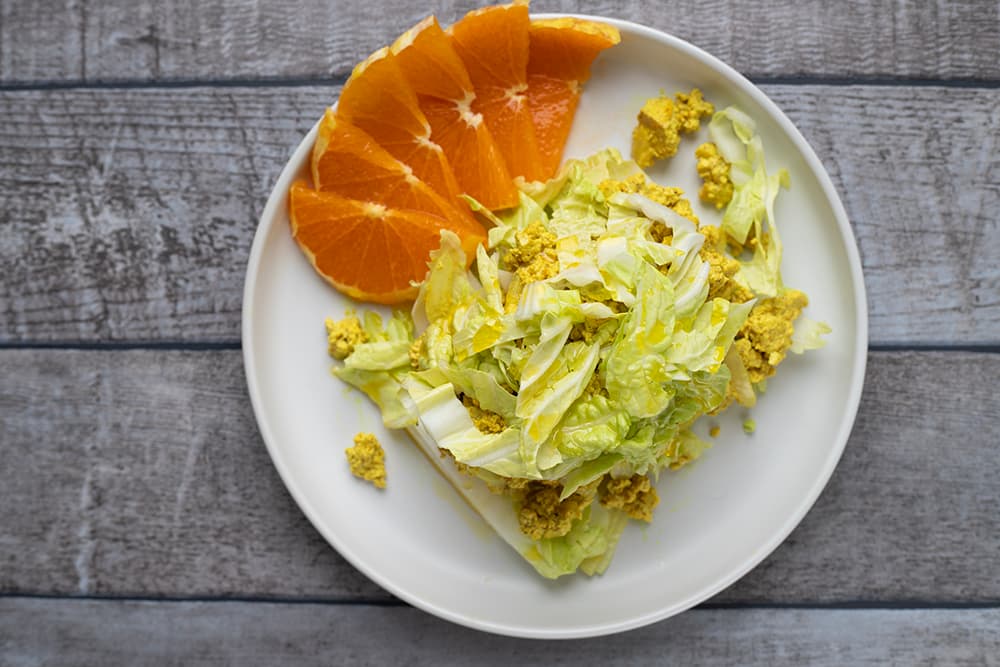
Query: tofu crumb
column 749, row 426
column 367, row 459
column 633, row 495
column 714, row 431
column 661, row 123
column 585, row 331
column 679, row 454
column 595, row 386
column 513, row 485
column 763, row 340
column 343, row 336
column 657, row 135
column 542, row 515
column 722, row 267
column 691, row 108
column 672, row 198
column 714, row 170
column 486, row 421
column 534, row 257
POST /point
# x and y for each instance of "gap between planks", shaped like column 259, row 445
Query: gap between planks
column 341, row 79
column 842, row 605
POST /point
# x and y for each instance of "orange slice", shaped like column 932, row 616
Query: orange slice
column 347, row 161
column 445, row 93
column 378, row 100
column 493, row 44
column 561, row 52
column 494, row 97
column 365, row 249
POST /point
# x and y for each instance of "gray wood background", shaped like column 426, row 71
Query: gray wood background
column 142, row 521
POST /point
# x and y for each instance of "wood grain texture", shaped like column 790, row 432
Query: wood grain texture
column 142, row 473
column 110, row 632
column 67, row 40
column 128, row 215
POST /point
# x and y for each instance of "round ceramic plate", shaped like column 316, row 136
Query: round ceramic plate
column 717, row 518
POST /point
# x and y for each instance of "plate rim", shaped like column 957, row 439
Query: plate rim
column 266, row 223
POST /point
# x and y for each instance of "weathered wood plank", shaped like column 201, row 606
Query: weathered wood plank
column 141, row 473
column 58, row 40
column 114, row 632
column 128, row 214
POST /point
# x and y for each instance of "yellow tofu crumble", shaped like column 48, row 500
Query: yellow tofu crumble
column 661, row 123
column 672, row 198
column 542, row 515
column 343, row 336
column 486, row 421
column 766, row 335
column 534, row 258
column 714, row 171
column 367, row 459
column 722, row 267
column 633, row 495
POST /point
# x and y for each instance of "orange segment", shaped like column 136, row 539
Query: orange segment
column 366, row 250
column 435, row 72
column 560, row 56
column 430, row 63
column 349, row 162
column 493, row 44
column 494, row 97
column 479, row 165
column 564, row 48
column 378, row 100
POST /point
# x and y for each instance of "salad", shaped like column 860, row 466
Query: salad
column 558, row 379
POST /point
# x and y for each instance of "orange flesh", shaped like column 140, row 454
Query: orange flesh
column 445, row 93
column 435, row 115
column 378, row 100
column 349, row 162
column 561, row 52
column 499, row 76
column 344, row 238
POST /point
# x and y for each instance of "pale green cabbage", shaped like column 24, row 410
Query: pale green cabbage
column 598, row 370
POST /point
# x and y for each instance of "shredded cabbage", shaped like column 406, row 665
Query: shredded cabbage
column 597, row 369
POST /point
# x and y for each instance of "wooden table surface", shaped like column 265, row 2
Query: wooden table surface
column 142, row 520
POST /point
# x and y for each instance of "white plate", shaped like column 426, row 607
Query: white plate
column 717, row 518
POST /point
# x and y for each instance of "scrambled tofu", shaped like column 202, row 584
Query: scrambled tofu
column 661, row 123
column 660, row 233
column 534, row 258
column 585, row 331
column 765, row 337
column 542, row 515
column 672, row 198
column 713, row 169
column 367, row 459
column 633, row 495
column 657, row 135
column 595, row 386
column 342, row 336
column 486, row 421
column 721, row 267
column 691, row 108
column 678, row 455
